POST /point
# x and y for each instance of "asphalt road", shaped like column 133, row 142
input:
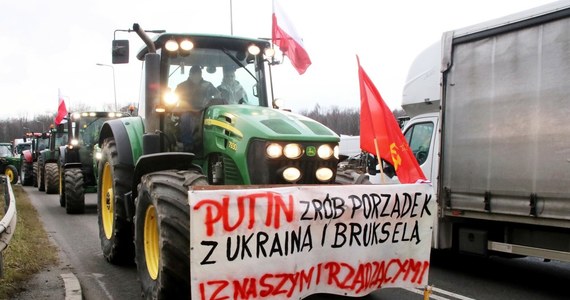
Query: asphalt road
column 452, row 276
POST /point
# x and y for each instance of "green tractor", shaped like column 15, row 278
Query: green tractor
column 145, row 175
column 40, row 141
column 48, row 159
column 76, row 160
column 9, row 164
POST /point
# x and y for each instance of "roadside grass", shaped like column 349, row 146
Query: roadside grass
column 29, row 250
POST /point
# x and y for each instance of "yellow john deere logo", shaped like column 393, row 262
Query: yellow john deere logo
column 311, row 151
column 396, row 159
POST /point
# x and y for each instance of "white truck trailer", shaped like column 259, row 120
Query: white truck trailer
column 490, row 127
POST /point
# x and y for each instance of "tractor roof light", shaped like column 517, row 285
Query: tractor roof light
column 76, row 116
column 291, row 174
column 325, row 151
column 324, row 174
column 186, row 45
column 269, row 52
column 293, row 151
column 274, row 150
column 253, row 50
column 171, row 45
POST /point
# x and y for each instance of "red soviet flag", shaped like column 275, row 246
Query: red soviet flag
column 284, row 35
column 381, row 135
column 61, row 109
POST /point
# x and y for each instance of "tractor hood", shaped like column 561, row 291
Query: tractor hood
column 267, row 123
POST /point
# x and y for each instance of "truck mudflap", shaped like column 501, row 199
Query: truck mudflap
column 309, row 239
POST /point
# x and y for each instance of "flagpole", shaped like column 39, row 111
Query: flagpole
column 231, row 19
column 379, row 160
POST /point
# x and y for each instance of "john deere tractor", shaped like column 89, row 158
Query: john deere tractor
column 9, row 164
column 76, row 162
column 48, row 169
column 145, row 175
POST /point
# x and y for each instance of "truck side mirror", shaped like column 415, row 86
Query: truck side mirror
column 120, row 51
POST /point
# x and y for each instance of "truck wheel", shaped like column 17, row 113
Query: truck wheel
column 41, row 175
column 115, row 231
column 34, row 174
column 51, row 178
column 12, row 173
column 74, row 191
column 27, row 170
column 162, row 233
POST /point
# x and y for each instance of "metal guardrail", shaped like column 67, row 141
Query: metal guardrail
column 8, row 222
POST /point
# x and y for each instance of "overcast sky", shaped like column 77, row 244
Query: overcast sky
column 56, row 44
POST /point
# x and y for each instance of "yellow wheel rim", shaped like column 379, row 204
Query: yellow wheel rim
column 107, row 201
column 151, row 249
column 9, row 174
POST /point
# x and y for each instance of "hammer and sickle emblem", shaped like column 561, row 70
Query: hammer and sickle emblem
column 396, row 159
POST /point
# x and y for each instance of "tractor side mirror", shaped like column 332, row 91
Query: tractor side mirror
column 120, row 51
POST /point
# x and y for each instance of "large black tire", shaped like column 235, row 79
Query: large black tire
column 41, row 175
column 12, row 173
column 35, row 174
column 74, row 191
column 51, row 178
column 61, row 186
column 27, row 169
column 162, row 211
column 115, row 231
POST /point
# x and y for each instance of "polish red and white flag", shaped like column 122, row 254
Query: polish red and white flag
column 285, row 36
column 61, row 109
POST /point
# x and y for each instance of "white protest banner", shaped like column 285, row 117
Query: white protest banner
column 291, row 242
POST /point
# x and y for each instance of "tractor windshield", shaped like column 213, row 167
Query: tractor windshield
column 5, row 151
column 231, row 74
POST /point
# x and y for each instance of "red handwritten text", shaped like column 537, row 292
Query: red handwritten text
column 220, row 211
column 342, row 277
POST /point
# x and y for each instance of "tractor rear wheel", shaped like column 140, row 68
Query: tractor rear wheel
column 162, row 233
column 74, row 191
column 51, row 178
column 12, row 173
column 115, row 231
column 35, row 174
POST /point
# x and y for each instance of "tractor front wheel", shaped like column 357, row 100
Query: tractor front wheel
column 51, row 178
column 12, row 173
column 27, row 179
column 162, row 233
column 115, row 231
column 74, row 191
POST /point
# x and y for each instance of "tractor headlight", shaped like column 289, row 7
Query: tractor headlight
column 98, row 155
column 291, row 174
column 325, row 151
column 336, row 152
column 274, row 150
column 292, row 151
column 74, row 142
column 324, row 174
